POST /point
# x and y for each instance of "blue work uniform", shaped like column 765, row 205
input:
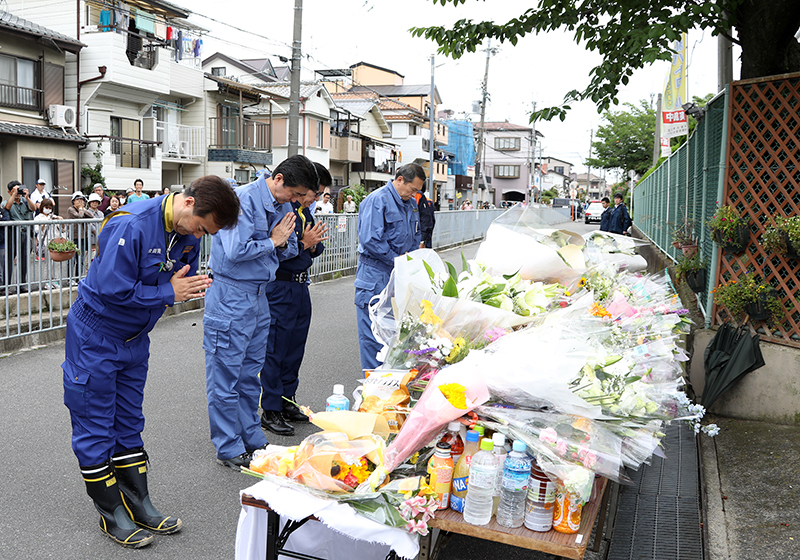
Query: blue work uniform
column 290, row 319
column 124, row 293
column 619, row 221
column 605, row 218
column 237, row 317
column 387, row 227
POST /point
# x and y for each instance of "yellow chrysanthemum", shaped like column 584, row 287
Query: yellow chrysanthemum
column 428, row 316
column 599, row 311
column 455, row 393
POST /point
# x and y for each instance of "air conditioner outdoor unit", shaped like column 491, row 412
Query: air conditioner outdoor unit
column 61, row 115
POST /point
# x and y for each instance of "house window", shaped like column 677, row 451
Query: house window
column 56, row 173
column 218, row 71
column 511, row 143
column 319, row 134
column 19, row 83
column 242, row 176
column 559, row 169
column 126, row 145
column 506, row 171
column 412, row 130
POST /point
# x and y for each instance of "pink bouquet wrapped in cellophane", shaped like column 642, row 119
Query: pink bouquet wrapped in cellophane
column 455, row 391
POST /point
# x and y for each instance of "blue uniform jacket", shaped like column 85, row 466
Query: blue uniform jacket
column 620, row 220
column 127, row 286
column 246, row 253
column 605, row 218
column 302, row 262
column 387, row 226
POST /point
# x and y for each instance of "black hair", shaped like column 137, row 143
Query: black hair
column 138, row 181
column 12, row 184
column 619, row 196
column 606, row 200
column 411, row 171
column 213, row 195
column 323, row 174
column 298, row 171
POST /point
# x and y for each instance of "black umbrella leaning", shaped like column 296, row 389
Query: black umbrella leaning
column 731, row 354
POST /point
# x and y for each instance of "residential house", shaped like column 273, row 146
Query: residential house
column 38, row 139
column 556, row 173
column 259, row 76
column 506, row 162
column 135, row 86
column 406, row 108
column 461, row 166
column 596, row 187
column 361, row 152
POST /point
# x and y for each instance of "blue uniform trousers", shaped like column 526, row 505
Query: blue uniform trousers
column 370, row 281
column 104, row 382
column 235, row 328
column 290, row 309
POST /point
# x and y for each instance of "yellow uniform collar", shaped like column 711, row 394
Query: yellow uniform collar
column 167, row 206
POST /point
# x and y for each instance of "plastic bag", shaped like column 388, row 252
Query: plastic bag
column 385, row 392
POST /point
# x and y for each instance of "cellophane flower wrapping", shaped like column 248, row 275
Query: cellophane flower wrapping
column 454, row 391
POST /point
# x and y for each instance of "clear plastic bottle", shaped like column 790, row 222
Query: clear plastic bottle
column 500, row 454
column 461, row 473
column 453, row 437
column 516, row 471
column 482, row 472
column 337, row 401
column 541, row 499
column 440, row 471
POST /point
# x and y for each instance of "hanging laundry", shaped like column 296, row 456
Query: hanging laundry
column 134, row 45
column 161, row 30
column 198, row 48
column 170, row 32
column 105, row 20
column 179, row 46
column 145, row 22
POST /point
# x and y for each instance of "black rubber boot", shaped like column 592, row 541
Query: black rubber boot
column 131, row 469
column 101, row 485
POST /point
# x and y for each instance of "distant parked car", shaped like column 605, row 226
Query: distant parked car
column 593, row 212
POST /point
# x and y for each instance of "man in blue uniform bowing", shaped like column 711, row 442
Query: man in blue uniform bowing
column 290, row 318
column 237, row 317
column 147, row 256
column 388, row 226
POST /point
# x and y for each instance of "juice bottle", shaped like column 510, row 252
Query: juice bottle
column 453, row 437
column 461, row 472
column 440, row 469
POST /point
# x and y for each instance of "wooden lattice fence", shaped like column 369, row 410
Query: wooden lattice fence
column 762, row 180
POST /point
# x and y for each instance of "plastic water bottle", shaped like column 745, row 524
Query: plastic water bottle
column 337, row 401
column 500, row 454
column 516, row 471
column 482, row 472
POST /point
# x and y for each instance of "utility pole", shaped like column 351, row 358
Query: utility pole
column 588, row 166
column 431, row 194
column 531, row 165
column 294, row 94
column 657, row 141
column 481, row 176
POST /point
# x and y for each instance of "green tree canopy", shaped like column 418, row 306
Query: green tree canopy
column 631, row 34
column 625, row 140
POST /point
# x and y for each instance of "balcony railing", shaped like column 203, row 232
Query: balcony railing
column 345, row 148
column 133, row 153
column 234, row 133
column 20, row 97
column 181, row 141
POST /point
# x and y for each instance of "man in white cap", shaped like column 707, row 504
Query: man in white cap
column 40, row 194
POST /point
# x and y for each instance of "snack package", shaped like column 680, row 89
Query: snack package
column 383, row 392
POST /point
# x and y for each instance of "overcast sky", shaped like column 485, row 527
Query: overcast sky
column 541, row 69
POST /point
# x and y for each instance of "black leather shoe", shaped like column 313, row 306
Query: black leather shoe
column 292, row 412
column 274, row 422
column 236, row 463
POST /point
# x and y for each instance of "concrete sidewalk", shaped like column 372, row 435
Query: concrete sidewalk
column 752, row 481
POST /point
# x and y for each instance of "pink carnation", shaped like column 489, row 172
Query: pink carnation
column 548, row 435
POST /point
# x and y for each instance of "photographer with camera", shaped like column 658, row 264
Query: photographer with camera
column 20, row 207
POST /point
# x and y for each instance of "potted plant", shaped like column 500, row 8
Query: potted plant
column 783, row 236
column 683, row 238
column 693, row 271
column 749, row 296
column 61, row 249
column 729, row 229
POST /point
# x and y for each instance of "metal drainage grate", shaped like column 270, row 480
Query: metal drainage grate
column 658, row 517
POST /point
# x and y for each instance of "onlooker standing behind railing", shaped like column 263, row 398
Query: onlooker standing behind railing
column 20, row 207
column 45, row 233
column 78, row 211
column 4, row 232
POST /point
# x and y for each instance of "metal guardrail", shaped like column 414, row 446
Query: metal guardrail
column 36, row 295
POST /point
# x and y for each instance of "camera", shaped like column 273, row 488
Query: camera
column 23, row 192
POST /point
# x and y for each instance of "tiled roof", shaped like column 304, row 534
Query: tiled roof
column 12, row 22
column 357, row 107
column 352, row 95
column 504, row 125
column 397, row 91
column 283, row 89
column 18, row 129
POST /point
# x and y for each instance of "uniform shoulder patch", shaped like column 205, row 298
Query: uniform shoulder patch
column 121, row 241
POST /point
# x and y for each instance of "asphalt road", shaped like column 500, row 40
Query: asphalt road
column 45, row 512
